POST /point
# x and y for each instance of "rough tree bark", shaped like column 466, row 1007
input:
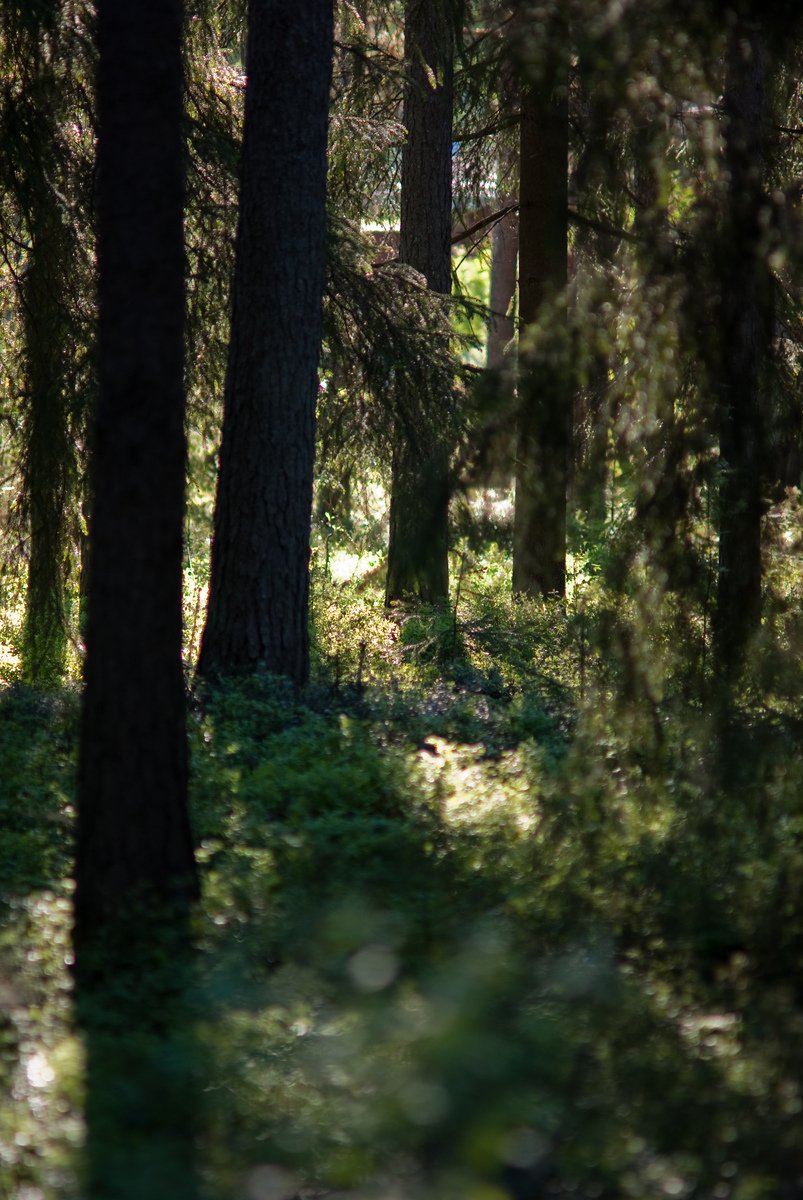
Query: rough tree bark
column 545, row 409
column 259, row 587
column 49, row 466
column 34, row 176
column 418, row 562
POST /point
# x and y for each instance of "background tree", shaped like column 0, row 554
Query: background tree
column 745, row 330
column 418, row 546
column 259, row 585
column 46, row 135
column 505, row 241
column 545, row 403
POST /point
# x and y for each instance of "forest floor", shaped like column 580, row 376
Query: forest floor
column 502, row 907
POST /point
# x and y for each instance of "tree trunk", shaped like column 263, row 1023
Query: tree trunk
column 545, row 409
column 504, row 252
column 744, row 331
column 505, row 235
column 596, row 176
column 590, row 469
column 133, row 830
column 32, row 173
column 418, row 562
column 498, row 440
column 259, row 587
column 49, row 467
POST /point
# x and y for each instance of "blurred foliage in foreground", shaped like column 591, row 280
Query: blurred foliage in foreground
column 504, row 908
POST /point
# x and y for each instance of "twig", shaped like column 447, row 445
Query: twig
column 360, row 665
column 493, row 218
column 576, row 218
column 503, row 123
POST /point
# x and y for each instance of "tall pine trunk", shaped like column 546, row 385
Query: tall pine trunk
column 34, row 175
column 418, row 562
column 49, row 460
column 744, row 333
column 545, row 403
column 259, row 588
column 133, row 828
column 135, row 872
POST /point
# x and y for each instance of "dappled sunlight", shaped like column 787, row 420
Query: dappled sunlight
column 494, row 785
column 477, row 915
column 463, row 932
column 41, row 1060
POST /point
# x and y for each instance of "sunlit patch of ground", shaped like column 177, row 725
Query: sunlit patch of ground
column 9, row 662
column 10, row 638
column 474, row 790
column 345, row 566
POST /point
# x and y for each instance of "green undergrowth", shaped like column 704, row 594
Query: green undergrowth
column 503, row 906
column 40, row 1128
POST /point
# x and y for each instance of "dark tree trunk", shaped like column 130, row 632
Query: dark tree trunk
column 133, row 829
column 744, row 332
column 135, row 873
column 259, row 587
column 418, row 562
column 49, row 457
column 662, row 503
column 545, row 407
column 32, row 172
column 595, row 174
